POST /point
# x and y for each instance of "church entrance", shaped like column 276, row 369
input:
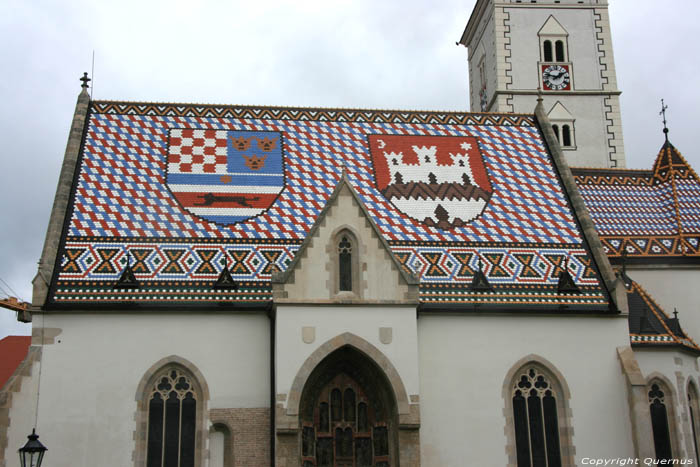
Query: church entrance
column 348, row 414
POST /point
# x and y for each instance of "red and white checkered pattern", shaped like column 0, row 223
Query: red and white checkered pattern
column 197, row 151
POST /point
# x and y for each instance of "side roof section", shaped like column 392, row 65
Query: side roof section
column 646, row 215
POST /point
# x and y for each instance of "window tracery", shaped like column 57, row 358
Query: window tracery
column 344, row 264
column 535, row 419
column 172, row 414
column 660, row 421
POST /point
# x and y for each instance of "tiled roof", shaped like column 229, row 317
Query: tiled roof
column 13, row 349
column 646, row 213
column 649, row 324
column 181, row 188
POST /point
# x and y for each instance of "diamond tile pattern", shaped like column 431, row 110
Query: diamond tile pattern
column 122, row 203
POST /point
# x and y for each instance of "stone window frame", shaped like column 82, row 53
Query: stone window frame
column 141, row 415
column 693, row 401
column 564, row 414
column 558, row 128
column 333, row 264
column 672, row 405
column 553, row 39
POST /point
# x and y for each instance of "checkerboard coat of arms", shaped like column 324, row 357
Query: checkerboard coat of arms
column 223, row 176
column 440, row 181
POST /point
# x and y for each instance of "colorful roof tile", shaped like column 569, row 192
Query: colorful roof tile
column 649, row 324
column 646, row 214
column 178, row 192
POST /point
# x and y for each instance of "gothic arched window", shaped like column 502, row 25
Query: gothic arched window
column 694, row 410
column 535, row 419
column 172, row 420
column 660, row 420
column 556, row 132
column 344, row 264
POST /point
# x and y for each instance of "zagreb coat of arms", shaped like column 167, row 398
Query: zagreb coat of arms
column 440, row 181
column 225, row 176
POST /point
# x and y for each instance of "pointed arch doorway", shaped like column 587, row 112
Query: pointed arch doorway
column 348, row 414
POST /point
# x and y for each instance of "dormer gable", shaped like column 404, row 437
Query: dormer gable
column 552, row 27
column 345, row 259
column 559, row 112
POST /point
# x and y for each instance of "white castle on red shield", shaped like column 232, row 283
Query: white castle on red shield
column 442, row 185
column 427, row 170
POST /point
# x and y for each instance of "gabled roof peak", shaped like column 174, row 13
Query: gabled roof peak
column 552, row 27
column 670, row 163
column 648, row 322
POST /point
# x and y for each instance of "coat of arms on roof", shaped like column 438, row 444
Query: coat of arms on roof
column 440, row 181
column 225, row 176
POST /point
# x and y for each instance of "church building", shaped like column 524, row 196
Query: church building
column 226, row 285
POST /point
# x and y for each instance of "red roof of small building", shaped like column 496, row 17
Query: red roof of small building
column 13, row 349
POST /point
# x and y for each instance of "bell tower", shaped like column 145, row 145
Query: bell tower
column 564, row 49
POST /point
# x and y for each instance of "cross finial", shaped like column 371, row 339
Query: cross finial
column 675, row 314
column 480, row 266
column 85, row 80
column 128, row 258
column 663, row 112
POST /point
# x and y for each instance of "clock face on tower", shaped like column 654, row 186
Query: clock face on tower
column 556, row 77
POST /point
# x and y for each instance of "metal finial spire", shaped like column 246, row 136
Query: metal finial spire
column 675, row 314
column 663, row 112
column 85, row 80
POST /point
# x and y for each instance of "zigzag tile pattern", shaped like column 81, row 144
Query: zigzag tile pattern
column 306, row 114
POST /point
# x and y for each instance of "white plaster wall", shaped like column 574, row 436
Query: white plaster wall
column 330, row 321
column 22, row 416
column 464, row 360
column 673, row 288
column 90, row 375
column 525, row 45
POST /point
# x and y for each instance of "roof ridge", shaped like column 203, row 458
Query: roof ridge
column 302, row 107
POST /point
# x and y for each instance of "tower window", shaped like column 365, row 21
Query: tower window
column 547, row 49
column 559, row 49
column 566, row 136
column 556, row 132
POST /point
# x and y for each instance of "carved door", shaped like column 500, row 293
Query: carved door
column 347, row 430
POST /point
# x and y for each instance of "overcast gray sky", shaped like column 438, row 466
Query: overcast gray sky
column 359, row 53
